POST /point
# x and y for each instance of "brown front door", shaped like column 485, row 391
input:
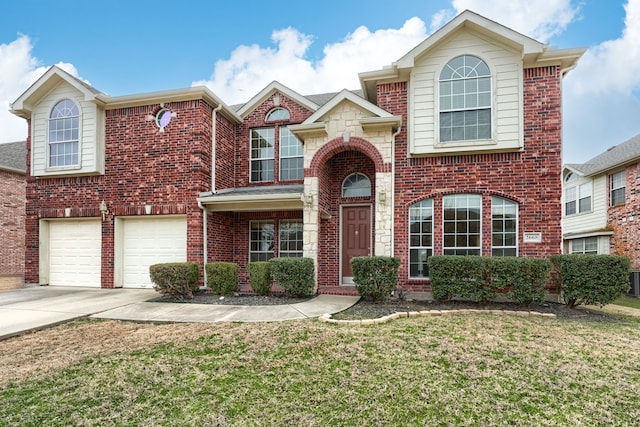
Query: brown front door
column 356, row 237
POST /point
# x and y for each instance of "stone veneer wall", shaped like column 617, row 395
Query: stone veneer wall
column 12, row 215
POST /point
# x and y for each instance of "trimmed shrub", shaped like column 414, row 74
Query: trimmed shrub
column 222, row 277
column 295, row 275
column 260, row 277
column 375, row 276
column 523, row 279
column 591, row 279
column 464, row 277
column 176, row 279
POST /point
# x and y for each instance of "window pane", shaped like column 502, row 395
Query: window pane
column 261, row 240
column 585, row 204
column 356, row 185
column 420, row 237
column 290, row 238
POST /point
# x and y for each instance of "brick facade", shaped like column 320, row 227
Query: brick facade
column 625, row 220
column 12, row 212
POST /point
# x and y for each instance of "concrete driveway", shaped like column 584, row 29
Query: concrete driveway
column 36, row 307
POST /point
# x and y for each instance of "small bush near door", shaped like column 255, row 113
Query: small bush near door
column 295, row 275
column 176, row 279
column 375, row 276
column 222, row 277
column 260, row 277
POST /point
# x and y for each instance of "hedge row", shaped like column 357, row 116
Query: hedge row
column 478, row 278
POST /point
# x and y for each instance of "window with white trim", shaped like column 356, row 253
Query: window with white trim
column 356, row 185
column 64, row 127
column 277, row 114
column 577, row 199
column 462, row 215
column 465, row 100
column 504, row 227
column 617, row 188
column 290, row 156
column 588, row 245
column 261, row 240
column 290, row 238
column 262, row 152
column 420, row 238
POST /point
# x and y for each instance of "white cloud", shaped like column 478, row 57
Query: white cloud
column 540, row 19
column 19, row 69
column 601, row 101
column 250, row 68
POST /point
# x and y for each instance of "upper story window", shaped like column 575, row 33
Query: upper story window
column 462, row 219
column 504, row 227
column 617, row 188
column 262, row 151
column 420, row 238
column 64, row 134
column 465, row 100
column 577, row 199
column 277, row 114
column 290, row 156
column 356, row 185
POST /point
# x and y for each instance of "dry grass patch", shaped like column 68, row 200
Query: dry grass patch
column 450, row 370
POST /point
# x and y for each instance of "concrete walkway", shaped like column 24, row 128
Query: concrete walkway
column 31, row 308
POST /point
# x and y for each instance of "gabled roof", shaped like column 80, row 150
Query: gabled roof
column 315, row 123
column 533, row 52
column 13, row 157
column 616, row 156
column 50, row 79
column 271, row 89
column 23, row 106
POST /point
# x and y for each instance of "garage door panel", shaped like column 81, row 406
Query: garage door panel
column 75, row 253
column 151, row 241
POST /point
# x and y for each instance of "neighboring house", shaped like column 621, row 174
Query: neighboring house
column 12, row 211
column 602, row 203
column 453, row 149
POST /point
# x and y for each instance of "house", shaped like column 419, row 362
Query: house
column 453, row 149
column 12, row 213
column 601, row 200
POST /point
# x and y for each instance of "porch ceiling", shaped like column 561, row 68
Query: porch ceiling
column 268, row 198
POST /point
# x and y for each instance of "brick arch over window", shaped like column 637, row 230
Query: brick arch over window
column 470, row 190
column 338, row 145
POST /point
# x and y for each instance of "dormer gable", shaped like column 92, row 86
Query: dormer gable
column 67, row 125
column 275, row 89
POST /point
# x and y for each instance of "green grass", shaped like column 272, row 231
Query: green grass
column 627, row 301
column 451, row 370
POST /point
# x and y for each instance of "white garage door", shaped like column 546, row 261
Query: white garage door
column 75, row 253
column 151, row 241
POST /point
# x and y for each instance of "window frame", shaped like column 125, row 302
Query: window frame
column 259, row 160
column 282, row 226
column 503, row 203
column 584, row 250
column 274, row 112
column 456, row 84
column 420, row 207
column 614, row 191
column 284, row 130
column 74, row 139
column 577, row 198
column 262, row 255
column 476, row 250
column 354, row 178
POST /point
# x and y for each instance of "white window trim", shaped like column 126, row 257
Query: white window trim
column 517, row 246
column 444, row 248
column 612, row 189
column 280, row 156
column 579, row 189
column 280, row 251
column 251, row 159
column 273, row 252
column 409, row 276
column 47, row 162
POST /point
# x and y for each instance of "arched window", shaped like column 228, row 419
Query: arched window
column 465, row 100
column 420, row 238
column 277, row 114
column 356, row 185
column 64, row 134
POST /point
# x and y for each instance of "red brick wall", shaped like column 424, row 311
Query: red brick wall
column 530, row 177
column 625, row 219
column 143, row 166
column 12, row 217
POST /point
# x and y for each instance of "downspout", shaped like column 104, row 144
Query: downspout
column 205, row 236
column 393, row 187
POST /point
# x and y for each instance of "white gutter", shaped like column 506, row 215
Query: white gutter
column 393, row 186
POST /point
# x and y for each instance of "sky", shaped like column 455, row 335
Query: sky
column 137, row 46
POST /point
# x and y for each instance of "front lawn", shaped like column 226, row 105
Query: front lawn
column 628, row 301
column 449, row 370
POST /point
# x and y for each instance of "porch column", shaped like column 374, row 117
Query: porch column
column 384, row 214
column 310, row 229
